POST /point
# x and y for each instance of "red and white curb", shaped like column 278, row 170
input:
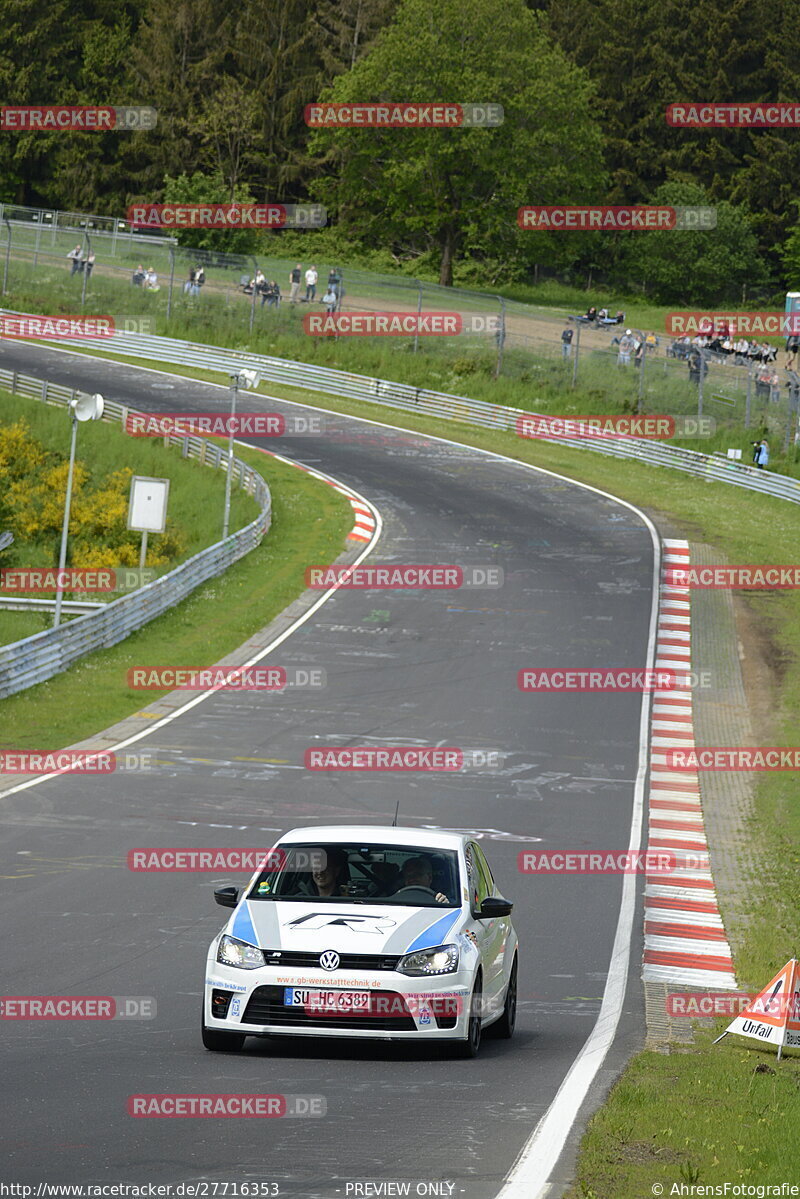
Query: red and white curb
column 684, row 939
column 364, row 528
column 365, row 517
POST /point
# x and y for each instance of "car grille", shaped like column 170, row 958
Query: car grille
column 347, row 961
column 266, row 1006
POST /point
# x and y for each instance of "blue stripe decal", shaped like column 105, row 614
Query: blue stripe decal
column 243, row 926
column 435, row 933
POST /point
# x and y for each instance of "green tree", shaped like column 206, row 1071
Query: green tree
column 456, row 192
column 200, row 188
column 646, row 54
column 705, row 268
column 790, row 257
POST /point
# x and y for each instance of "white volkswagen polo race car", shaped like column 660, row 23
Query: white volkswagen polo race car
column 350, row 931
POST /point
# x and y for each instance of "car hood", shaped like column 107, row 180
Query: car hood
column 347, row 928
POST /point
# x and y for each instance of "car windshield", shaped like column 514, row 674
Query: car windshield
column 408, row 875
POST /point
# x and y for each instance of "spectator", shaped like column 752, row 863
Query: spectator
column 271, row 294
column 311, row 284
column 591, row 313
column 626, row 345
column 698, row 366
column 763, row 379
column 602, row 314
column 87, row 264
column 188, row 286
column 295, row 276
column 334, row 279
column 761, row 455
column 138, row 276
column 792, row 346
column 566, row 342
column 330, row 300
column 151, row 280
column 199, row 279
column 75, row 255
column 620, row 317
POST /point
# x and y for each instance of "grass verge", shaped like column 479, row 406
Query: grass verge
column 702, row 1114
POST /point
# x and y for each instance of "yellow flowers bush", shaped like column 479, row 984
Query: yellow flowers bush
column 33, row 484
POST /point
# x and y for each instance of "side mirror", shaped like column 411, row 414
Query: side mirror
column 493, row 907
column 227, row 897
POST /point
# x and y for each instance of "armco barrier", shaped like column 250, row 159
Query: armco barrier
column 39, row 657
column 439, row 404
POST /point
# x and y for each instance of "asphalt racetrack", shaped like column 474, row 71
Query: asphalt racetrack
column 403, row 668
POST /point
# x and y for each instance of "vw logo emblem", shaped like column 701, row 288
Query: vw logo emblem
column 329, row 960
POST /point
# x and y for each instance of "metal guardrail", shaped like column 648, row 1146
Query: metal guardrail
column 38, row 657
column 712, row 467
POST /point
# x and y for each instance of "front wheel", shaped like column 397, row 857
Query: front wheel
column 220, row 1042
column 469, row 1048
column 505, row 1025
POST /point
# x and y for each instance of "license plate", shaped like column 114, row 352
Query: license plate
column 344, row 1001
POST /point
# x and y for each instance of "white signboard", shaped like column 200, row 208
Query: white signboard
column 147, row 510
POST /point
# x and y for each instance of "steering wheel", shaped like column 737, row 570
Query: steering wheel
column 415, row 887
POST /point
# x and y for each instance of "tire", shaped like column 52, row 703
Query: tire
column 220, row 1042
column 470, row 1047
column 504, row 1028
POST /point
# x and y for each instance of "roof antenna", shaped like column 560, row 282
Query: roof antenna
column 397, row 809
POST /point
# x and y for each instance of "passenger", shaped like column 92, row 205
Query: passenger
column 330, row 880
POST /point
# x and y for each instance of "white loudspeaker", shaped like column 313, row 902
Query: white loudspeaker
column 86, row 407
column 250, row 378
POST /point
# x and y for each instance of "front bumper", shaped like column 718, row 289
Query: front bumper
column 400, row 1007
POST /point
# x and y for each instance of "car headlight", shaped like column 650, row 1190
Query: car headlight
column 442, row 959
column 231, row 952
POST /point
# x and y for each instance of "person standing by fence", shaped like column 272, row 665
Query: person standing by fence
column 75, row 255
column 566, row 342
column 626, row 344
column 295, row 276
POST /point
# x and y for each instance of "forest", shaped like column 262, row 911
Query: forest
column 584, row 86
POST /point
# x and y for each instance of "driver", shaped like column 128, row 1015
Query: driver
column 418, row 872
